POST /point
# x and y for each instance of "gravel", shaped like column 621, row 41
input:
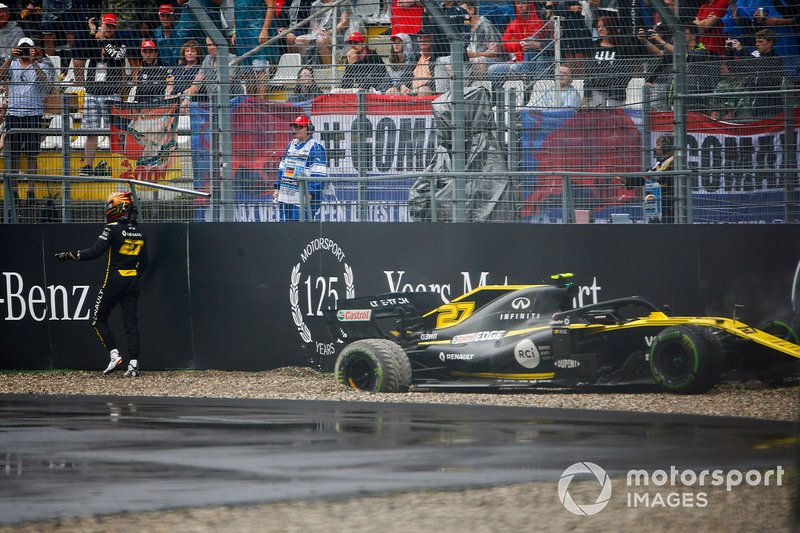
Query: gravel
column 521, row 507
column 296, row 383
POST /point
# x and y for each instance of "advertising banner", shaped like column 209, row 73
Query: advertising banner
column 146, row 139
column 252, row 296
column 396, row 135
column 749, row 153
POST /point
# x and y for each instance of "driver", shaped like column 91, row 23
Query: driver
column 126, row 251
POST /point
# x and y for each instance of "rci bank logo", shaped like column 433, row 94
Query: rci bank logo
column 586, row 509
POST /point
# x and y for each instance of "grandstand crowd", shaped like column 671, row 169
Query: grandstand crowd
column 742, row 56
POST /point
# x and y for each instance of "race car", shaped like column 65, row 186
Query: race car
column 530, row 336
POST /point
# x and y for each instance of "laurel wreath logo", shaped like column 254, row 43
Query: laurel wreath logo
column 348, row 281
column 294, row 298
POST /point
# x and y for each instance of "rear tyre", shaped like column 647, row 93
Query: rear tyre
column 785, row 326
column 374, row 365
column 682, row 359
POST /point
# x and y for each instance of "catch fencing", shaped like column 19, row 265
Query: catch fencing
column 566, row 127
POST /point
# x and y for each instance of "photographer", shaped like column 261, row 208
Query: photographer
column 28, row 82
column 763, row 69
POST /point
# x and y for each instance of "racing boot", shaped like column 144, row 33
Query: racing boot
column 133, row 369
column 115, row 361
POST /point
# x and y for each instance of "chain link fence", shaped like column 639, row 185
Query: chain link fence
column 529, row 112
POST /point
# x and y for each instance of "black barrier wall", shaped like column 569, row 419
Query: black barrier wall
column 251, row 296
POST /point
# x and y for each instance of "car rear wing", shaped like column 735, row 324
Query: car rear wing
column 391, row 315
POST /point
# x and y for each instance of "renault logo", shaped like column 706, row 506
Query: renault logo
column 521, row 303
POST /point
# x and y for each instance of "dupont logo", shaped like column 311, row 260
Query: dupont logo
column 354, row 315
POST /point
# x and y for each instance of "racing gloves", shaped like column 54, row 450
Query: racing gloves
column 64, row 256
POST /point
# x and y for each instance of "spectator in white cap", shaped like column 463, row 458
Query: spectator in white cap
column 10, row 32
column 28, row 82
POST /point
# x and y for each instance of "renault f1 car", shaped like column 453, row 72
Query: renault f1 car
column 530, row 336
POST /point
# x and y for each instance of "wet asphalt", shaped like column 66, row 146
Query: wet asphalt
column 74, row 456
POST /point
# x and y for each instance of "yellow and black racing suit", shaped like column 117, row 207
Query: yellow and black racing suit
column 126, row 249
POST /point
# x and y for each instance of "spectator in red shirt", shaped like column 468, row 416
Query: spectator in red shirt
column 526, row 24
column 406, row 16
column 523, row 38
column 709, row 24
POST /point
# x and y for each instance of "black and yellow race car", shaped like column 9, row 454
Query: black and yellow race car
column 531, row 336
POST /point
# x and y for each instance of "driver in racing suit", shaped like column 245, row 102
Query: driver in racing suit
column 124, row 244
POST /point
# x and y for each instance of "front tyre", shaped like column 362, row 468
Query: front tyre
column 785, row 326
column 682, row 359
column 373, row 365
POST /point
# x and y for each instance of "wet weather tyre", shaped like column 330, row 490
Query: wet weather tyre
column 682, row 359
column 785, row 326
column 374, row 365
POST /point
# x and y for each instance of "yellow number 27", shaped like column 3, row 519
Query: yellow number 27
column 131, row 246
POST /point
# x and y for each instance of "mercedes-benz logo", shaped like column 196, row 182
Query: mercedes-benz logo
column 521, row 303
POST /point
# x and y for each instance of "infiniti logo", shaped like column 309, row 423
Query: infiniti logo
column 521, row 303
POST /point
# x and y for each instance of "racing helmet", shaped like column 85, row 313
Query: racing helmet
column 302, row 121
column 119, row 206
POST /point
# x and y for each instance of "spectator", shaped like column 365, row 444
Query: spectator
column 709, row 24
column 526, row 24
column 730, row 107
column 524, row 40
column 402, row 60
column 702, row 72
column 155, row 81
column 485, row 45
column 187, row 27
column 184, row 74
column 576, row 37
column 665, row 146
column 764, row 71
column 563, row 95
column 499, row 12
column 292, row 12
column 254, row 27
column 304, row 157
column 459, row 21
column 422, row 77
column 322, row 31
column 105, row 79
column 129, row 14
column 166, row 37
column 10, row 32
column 58, row 20
column 406, row 16
column 782, row 16
column 365, row 69
column 28, row 80
column 628, row 13
column 306, row 88
column 611, row 69
column 207, row 80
